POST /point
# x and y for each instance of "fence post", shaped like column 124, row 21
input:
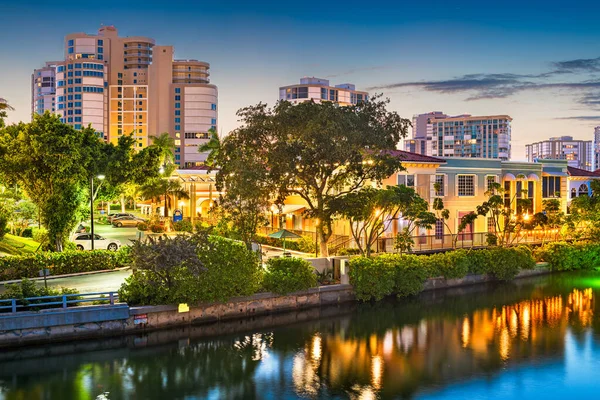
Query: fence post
column 64, row 301
column 112, row 298
column 13, row 303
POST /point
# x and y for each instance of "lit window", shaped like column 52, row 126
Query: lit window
column 439, row 183
column 439, row 229
column 406, row 180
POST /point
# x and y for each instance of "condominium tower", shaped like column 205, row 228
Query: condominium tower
column 439, row 135
column 43, row 89
column 318, row 90
column 131, row 86
column 578, row 153
column 596, row 148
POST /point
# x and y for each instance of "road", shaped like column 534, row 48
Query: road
column 124, row 235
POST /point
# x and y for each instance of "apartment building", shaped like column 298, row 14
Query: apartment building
column 578, row 153
column 596, row 148
column 318, row 90
column 131, row 86
column 43, row 89
column 439, row 135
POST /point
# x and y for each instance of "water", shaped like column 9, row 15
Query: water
column 535, row 338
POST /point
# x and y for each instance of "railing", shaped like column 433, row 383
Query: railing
column 61, row 300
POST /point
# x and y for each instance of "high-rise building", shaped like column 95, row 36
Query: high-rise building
column 578, row 153
column 131, row 86
column 439, row 135
column 318, row 89
column 596, row 148
column 43, row 89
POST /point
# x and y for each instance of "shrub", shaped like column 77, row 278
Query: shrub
column 157, row 228
column 27, row 288
column 306, row 244
column 183, row 226
column 286, row 275
column 562, row 256
column 27, row 232
column 142, row 226
column 40, row 235
column 409, row 273
column 190, row 269
column 372, row 278
column 66, row 262
column 348, row 251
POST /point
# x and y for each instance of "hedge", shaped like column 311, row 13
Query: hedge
column 562, row 256
column 66, row 262
column 287, row 275
column 405, row 275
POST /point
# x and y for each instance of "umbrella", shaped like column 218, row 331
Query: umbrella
column 284, row 234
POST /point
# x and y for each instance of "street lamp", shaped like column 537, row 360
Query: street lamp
column 92, row 197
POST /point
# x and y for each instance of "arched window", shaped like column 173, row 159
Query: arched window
column 583, row 190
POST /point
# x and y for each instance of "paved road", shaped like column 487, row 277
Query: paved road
column 124, row 235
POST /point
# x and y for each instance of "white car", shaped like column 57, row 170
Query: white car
column 83, row 241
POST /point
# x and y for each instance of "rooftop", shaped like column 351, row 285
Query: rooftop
column 414, row 157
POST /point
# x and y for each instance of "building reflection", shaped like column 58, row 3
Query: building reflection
column 434, row 351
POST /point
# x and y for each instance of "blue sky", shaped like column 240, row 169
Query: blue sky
column 538, row 62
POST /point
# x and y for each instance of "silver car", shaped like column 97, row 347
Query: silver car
column 127, row 220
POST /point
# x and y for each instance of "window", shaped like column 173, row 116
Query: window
column 323, row 94
column 178, row 98
column 406, row 180
column 100, row 50
column 177, row 105
column 177, row 120
column 77, row 66
column 213, row 107
column 333, row 95
column 135, row 74
column 177, row 90
column 177, row 112
column 71, row 42
column 100, row 42
column 71, row 50
column 489, row 180
column 466, row 185
column 550, row 186
column 439, row 229
column 135, row 81
column 77, row 97
column 177, row 127
column 439, row 185
column 77, row 73
column 77, row 119
column 491, row 226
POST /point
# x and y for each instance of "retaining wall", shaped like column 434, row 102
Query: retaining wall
column 55, row 325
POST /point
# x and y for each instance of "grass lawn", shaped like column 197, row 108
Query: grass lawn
column 16, row 245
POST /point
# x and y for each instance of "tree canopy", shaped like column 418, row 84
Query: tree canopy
column 317, row 151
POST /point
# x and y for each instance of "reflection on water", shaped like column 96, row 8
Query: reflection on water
column 395, row 349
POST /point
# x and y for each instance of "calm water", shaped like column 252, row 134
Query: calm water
column 532, row 339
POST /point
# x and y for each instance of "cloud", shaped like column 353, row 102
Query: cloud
column 582, row 118
column 579, row 65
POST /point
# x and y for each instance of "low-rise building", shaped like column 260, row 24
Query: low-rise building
column 317, row 89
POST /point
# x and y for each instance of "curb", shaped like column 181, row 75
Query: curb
column 51, row 277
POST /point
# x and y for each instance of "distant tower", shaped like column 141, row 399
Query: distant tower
column 596, row 148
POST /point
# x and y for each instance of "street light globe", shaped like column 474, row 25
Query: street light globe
column 101, row 177
column 161, row 169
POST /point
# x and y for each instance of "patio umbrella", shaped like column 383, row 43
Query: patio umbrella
column 284, row 234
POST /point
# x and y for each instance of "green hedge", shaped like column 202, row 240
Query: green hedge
column 67, row 262
column 562, row 256
column 269, row 241
column 404, row 275
column 287, row 275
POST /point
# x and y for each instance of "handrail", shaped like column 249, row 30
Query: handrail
column 111, row 297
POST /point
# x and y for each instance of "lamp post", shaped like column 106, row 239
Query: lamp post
column 273, row 208
column 316, row 237
column 92, row 197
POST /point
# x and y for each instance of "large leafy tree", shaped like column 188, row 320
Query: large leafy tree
column 371, row 212
column 245, row 180
column 317, row 151
column 53, row 163
column 4, row 107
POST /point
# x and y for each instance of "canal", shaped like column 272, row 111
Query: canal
column 529, row 339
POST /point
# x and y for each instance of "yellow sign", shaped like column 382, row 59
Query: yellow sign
column 183, row 307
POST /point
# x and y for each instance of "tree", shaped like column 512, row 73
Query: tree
column 317, row 151
column 443, row 214
column 168, row 189
column 371, row 212
column 4, row 107
column 584, row 218
column 165, row 145
column 245, row 180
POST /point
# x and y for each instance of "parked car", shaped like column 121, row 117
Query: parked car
column 112, row 216
column 83, row 241
column 127, row 220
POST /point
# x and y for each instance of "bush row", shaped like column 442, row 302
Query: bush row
column 67, row 262
column 562, row 256
column 404, row 275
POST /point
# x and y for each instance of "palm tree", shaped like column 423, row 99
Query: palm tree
column 166, row 188
column 4, row 107
column 166, row 145
column 213, row 147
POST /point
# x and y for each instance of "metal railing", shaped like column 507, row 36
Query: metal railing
column 58, row 301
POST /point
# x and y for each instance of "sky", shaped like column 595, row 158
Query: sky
column 537, row 62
